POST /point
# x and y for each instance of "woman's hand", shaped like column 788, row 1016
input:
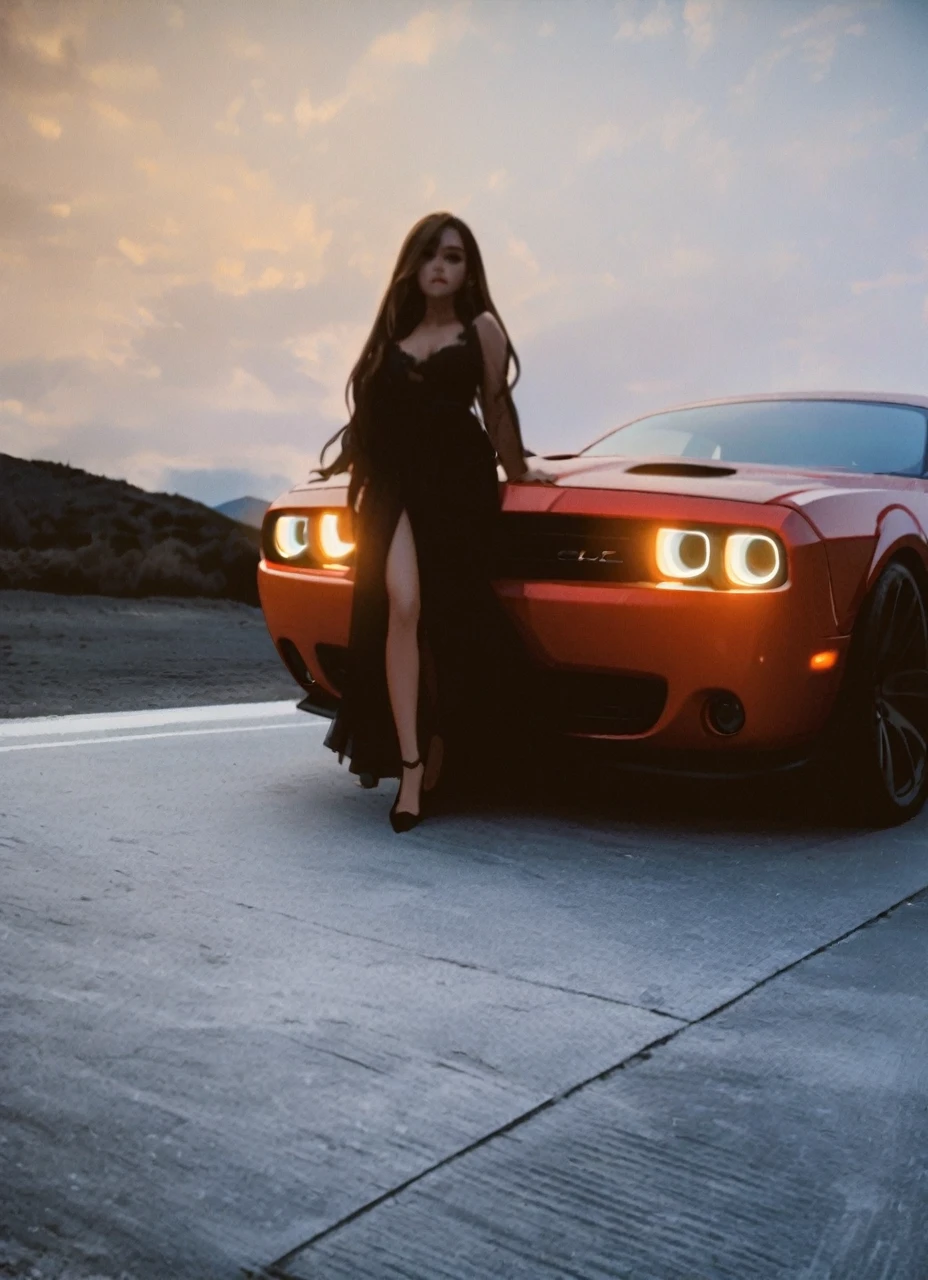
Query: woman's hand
column 535, row 475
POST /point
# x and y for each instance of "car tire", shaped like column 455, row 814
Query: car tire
column 880, row 743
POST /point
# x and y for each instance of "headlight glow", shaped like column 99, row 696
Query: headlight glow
column 682, row 553
column 290, row 536
column 331, row 543
column 751, row 559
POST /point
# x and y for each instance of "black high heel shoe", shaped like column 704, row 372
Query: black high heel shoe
column 404, row 820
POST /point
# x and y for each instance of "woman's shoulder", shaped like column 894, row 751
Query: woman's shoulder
column 486, row 322
column 490, row 332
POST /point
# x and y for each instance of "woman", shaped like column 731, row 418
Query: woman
column 432, row 658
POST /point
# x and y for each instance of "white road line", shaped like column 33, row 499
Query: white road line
column 314, row 723
column 39, row 726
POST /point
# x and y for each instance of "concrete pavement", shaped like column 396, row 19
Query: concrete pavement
column 241, row 1011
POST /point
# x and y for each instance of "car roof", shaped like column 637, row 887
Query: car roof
column 876, row 397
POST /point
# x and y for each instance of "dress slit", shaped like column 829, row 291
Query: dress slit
column 427, row 690
column 431, row 457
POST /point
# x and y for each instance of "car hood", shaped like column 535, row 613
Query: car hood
column 737, row 481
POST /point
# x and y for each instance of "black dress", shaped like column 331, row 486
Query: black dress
column 431, row 457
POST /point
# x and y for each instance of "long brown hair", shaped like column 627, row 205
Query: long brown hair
column 400, row 311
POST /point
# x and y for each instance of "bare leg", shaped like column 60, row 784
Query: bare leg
column 402, row 656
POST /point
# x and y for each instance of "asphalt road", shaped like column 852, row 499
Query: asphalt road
column 582, row 1032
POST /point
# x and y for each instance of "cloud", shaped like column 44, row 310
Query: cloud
column 757, row 76
column 244, row 49
column 677, row 122
column 413, row 44
column 326, row 356
column 889, row 280
column 665, row 128
column 651, row 24
column 244, row 391
column 46, row 127
column 306, row 114
column 681, row 260
column 210, row 290
column 827, row 15
column 112, row 115
column 909, row 144
column 834, row 144
column 699, row 21
column 371, row 76
column 814, row 40
column 817, row 36
column 139, row 253
column 520, row 251
column 214, row 485
column 124, row 77
column 229, row 122
column 56, row 45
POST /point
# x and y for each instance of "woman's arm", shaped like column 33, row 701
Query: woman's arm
column 494, row 400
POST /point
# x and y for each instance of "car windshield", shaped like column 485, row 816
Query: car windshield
column 845, row 434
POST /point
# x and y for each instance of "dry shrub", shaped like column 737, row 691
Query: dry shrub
column 66, row 530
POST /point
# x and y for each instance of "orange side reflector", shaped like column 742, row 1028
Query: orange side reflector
column 823, row 661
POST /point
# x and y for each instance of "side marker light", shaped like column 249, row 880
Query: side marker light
column 823, row 661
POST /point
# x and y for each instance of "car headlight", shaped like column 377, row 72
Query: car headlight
column 332, row 545
column 751, row 559
column 682, row 553
column 291, row 536
column 318, row 539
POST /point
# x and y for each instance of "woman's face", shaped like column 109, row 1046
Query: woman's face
column 442, row 273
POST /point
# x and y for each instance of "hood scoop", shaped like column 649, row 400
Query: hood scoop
column 703, row 469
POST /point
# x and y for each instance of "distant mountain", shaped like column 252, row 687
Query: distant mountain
column 245, row 510
column 67, row 530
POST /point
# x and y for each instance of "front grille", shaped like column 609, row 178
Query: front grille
column 543, row 547
column 603, row 702
column 580, row 701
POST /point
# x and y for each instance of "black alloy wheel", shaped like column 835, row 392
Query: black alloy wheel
column 885, row 752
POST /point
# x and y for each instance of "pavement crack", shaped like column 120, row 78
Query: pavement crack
column 276, row 1270
column 450, row 960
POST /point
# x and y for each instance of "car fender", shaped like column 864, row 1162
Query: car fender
column 862, row 528
column 898, row 529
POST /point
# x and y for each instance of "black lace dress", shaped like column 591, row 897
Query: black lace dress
column 432, row 457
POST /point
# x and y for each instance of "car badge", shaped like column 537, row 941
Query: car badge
column 589, row 557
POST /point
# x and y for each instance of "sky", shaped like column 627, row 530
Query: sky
column 201, row 205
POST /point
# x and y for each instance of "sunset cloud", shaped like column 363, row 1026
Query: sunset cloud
column 124, row 77
column 412, row 45
column 200, row 207
column 46, row 127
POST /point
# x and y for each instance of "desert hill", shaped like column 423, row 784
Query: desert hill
column 246, row 510
column 66, row 530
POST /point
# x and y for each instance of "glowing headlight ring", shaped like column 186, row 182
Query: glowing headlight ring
column 737, row 548
column 290, row 536
column 668, row 552
column 331, row 544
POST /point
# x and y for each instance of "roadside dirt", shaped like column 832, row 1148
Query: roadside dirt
column 61, row 654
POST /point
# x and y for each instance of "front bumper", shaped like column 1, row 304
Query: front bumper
column 755, row 644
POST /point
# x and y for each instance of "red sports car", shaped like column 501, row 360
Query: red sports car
column 725, row 587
